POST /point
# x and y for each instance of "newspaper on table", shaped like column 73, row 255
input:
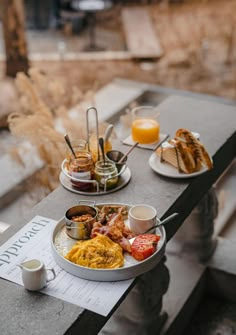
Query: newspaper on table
column 33, row 241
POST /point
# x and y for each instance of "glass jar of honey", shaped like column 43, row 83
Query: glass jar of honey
column 106, row 174
column 145, row 127
column 95, row 149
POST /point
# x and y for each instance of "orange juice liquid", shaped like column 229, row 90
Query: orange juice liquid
column 145, row 131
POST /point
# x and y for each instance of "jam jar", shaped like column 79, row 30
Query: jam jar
column 78, row 146
column 82, row 167
column 105, row 174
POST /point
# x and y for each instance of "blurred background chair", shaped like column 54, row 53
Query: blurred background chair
column 91, row 7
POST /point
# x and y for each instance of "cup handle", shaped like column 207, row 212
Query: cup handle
column 53, row 275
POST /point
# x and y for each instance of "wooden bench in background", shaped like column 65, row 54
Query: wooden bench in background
column 141, row 38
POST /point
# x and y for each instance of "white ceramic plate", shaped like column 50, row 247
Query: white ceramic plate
column 167, row 170
column 61, row 243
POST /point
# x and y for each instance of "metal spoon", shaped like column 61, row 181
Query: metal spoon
column 127, row 153
column 160, row 223
column 69, row 144
column 101, row 143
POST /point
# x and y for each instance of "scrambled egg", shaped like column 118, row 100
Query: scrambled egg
column 99, row 252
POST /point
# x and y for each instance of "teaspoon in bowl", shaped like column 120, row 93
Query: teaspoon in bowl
column 160, row 223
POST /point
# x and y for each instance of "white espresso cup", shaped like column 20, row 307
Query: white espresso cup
column 34, row 274
column 141, row 218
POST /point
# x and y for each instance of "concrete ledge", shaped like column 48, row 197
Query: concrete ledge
column 78, row 56
column 224, row 256
column 113, row 98
column 13, row 173
column 184, row 293
column 190, row 281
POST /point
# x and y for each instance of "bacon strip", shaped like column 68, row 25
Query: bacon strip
column 115, row 228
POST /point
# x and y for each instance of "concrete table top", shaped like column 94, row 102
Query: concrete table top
column 36, row 313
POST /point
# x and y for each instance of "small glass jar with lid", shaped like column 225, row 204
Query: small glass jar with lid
column 81, row 167
column 106, row 174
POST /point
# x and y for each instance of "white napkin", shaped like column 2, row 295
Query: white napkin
column 151, row 146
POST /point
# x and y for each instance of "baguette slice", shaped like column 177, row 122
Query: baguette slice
column 177, row 154
column 198, row 149
column 185, row 152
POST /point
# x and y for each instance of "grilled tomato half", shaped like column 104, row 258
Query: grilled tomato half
column 144, row 246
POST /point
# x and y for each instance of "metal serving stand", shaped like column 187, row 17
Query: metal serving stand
column 124, row 175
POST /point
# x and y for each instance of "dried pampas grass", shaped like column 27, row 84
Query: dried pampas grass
column 48, row 109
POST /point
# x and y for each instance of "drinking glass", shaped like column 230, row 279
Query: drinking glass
column 145, row 127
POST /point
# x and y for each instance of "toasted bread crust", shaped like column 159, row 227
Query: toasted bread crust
column 191, row 141
column 207, row 158
column 186, row 156
column 198, row 149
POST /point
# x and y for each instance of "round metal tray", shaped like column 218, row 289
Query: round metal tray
column 61, row 243
column 124, row 179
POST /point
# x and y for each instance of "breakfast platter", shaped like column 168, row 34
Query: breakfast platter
column 62, row 243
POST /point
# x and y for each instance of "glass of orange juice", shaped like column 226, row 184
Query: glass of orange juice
column 145, row 127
